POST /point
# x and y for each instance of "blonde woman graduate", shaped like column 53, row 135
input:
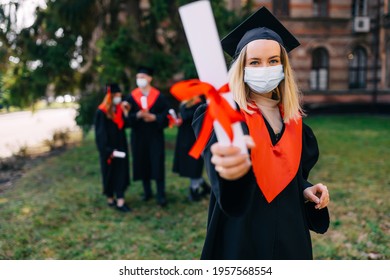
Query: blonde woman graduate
column 262, row 205
column 112, row 145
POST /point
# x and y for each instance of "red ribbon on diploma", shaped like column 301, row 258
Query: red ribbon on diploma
column 218, row 109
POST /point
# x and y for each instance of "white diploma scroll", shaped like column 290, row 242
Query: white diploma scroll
column 119, row 154
column 173, row 114
column 203, row 39
column 144, row 102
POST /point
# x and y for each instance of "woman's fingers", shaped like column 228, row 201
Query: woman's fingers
column 318, row 194
column 234, row 172
column 324, row 196
column 218, row 149
column 229, row 162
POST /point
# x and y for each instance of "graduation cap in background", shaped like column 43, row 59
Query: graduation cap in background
column 146, row 70
column 114, row 88
column 260, row 25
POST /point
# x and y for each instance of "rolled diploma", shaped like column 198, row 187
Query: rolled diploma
column 173, row 114
column 203, row 39
column 144, row 102
column 119, row 154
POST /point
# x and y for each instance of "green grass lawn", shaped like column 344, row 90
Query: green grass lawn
column 56, row 210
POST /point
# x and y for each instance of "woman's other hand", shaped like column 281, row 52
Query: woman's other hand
column 318, row 194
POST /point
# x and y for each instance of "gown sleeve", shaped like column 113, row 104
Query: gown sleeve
column 127, row 120
column 162, row 116
column 101, row 135
column 232, row 195
column 131, row 121
column 317, row 220
column 310, row 153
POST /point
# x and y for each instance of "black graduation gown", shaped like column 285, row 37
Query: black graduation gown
column 147, row 140
column 243, row 225
column 109, row 137
column 184, row 164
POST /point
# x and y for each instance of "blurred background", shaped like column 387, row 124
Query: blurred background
column 56, row 58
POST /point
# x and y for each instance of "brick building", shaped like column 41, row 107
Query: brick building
column 345, row 47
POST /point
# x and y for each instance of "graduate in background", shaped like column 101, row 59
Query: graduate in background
column 262, row 205
column 112, row 145
column 183, row 163
column 148, row 118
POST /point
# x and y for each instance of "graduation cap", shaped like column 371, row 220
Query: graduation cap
column 260, row 25
column 146, row 70
column 114, row 88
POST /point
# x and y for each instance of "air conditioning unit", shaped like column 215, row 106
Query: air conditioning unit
column 361, row 24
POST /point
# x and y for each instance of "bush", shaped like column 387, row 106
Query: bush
column 88, row 104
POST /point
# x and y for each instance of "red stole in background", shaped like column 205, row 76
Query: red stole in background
column 274, row 166
column 117, row 118
column 151, row 98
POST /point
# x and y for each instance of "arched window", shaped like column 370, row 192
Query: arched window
column 320, row 8
column 359, row 8
column 358, row 68
column 319, row 69
column 281, row 7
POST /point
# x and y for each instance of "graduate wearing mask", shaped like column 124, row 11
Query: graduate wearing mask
column 148, row 118
column 262, row 205
column 112, row 145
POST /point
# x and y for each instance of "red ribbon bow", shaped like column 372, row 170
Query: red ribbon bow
column 218, row 109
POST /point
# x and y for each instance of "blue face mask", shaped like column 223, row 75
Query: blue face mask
column 263, row 79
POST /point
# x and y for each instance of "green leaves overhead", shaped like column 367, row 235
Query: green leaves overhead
column 77, row 46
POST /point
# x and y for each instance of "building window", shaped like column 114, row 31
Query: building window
column 359, row 8
column 281, row 7
column 320, row 8
column 387, row 70
column 358, row 68
column 320, row 69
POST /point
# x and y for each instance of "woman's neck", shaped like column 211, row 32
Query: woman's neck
column 269, row 98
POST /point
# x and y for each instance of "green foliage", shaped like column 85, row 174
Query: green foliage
column 25, row 87
column 78, row 45
column 88, row 104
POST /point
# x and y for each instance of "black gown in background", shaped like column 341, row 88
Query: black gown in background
column 183, row 163
column 147, row 141
column 243, row 225
column 108, row 137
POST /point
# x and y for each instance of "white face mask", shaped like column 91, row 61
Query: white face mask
column 142, row 82
column 263, row 79
column 116, row 100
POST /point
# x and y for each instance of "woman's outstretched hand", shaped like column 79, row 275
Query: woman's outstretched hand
column 229, row 162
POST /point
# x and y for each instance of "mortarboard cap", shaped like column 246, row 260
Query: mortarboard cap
column 260, row 25
column 114, row 88
column 146, row 70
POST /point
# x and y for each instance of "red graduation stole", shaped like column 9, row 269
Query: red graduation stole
column 274, row 166
column 117, row 118
column 151, row 98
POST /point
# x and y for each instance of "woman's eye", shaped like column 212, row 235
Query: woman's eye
column 253, row 63
column 274, row 61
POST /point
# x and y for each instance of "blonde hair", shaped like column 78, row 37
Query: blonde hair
column 287, row 90
column 108, row 105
